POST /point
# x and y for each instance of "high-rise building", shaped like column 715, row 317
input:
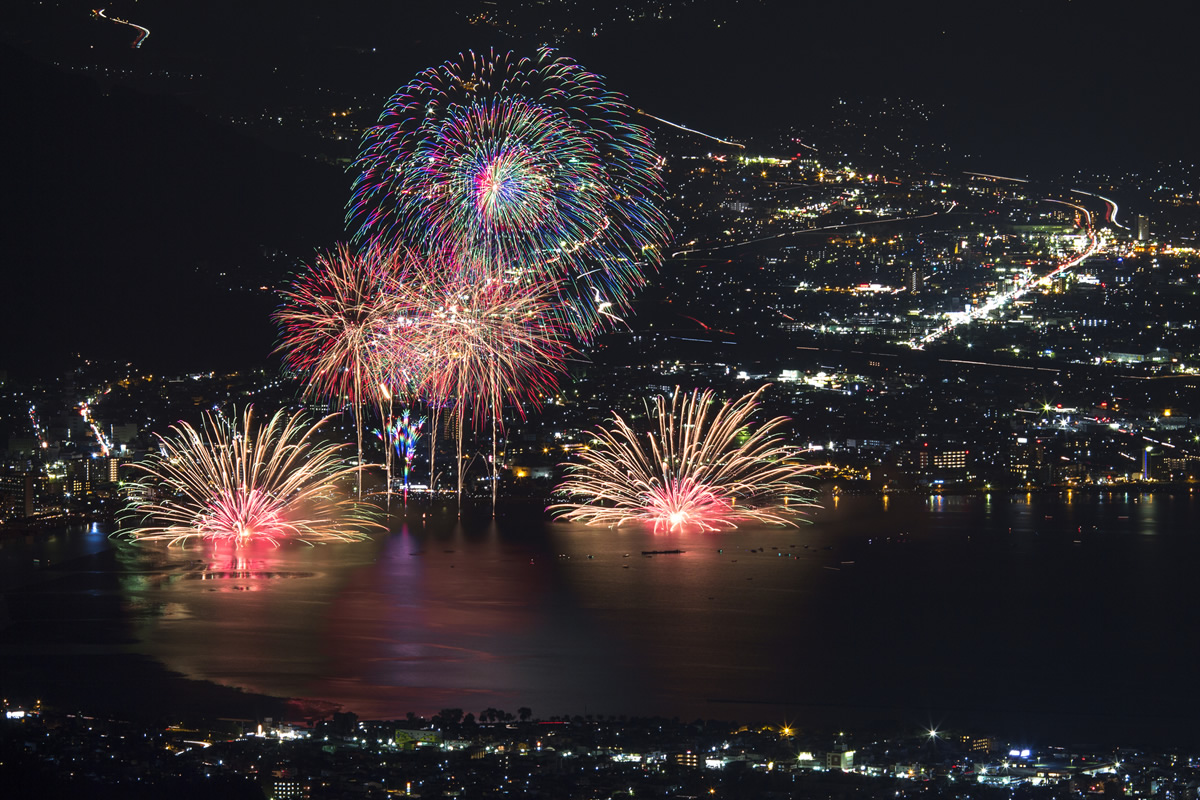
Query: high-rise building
column 1143, row 228
column 915, row 281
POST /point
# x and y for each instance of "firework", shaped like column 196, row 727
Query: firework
column 490, row 343
column 497, row 343
column 409, row 431
column 529, row 165
column 402, row 436
column 476, row 342
column 698, row 471
column 242, row 483
column 334, row 319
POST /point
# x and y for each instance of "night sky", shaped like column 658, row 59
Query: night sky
column 126, row 199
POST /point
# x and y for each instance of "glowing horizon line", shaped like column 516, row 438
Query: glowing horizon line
column 858, row 224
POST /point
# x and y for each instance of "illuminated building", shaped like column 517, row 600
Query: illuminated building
column 950, row 459
column 915, row 281
column 976, row 744
column 286, row 785
column 840, row 759
column 16, row 494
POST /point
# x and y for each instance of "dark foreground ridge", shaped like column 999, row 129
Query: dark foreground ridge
column 497, row 754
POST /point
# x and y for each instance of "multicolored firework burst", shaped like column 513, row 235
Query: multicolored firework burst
column 402, row 436
column 699, row 470
column 529, row 165
column 409, row 431
column 240, row 482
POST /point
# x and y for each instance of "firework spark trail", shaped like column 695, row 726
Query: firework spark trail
column 480, row 342
column 333, row 321
column 332, row 318
column 528, row 164
column 242, row 483
column 694, row 472
column 410, row 434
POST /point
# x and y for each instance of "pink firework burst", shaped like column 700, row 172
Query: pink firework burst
column 240, row 482
column 699, row 470
column 490, row 343
column 335, row 320
column 333, row 317
column 487, row 343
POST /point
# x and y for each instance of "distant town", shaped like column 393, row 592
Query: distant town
column 497, row 753
column 924, row 331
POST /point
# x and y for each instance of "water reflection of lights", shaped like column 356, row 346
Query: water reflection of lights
column 239, row 567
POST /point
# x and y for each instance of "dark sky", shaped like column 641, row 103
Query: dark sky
column 1028, row 79
column 124, row 202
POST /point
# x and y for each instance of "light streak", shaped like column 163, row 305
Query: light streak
column 101, row 439
column 1075, row 206
column 995, row 177
column 997, row 364
column 143, row 33
column 603, row 306
column 1002, row 299
column 693, row 130
column 1111, row 212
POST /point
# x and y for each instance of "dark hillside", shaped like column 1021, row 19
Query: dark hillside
column 122, row 211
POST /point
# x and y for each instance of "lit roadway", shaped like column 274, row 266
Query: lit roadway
column 85, row 411
column 143, row 33
column 1002, row 299
column 1111, row 209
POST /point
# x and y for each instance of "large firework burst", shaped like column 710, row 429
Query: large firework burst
column 489, row 343
column 699, row 470
column 484, row 343
column 242, row 482
column 528, row 164
column 333, row 317
column 333, row 320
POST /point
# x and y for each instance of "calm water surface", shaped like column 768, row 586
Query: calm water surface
column 1037, row 616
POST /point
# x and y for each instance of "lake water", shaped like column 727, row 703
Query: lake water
column 1029, row 616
